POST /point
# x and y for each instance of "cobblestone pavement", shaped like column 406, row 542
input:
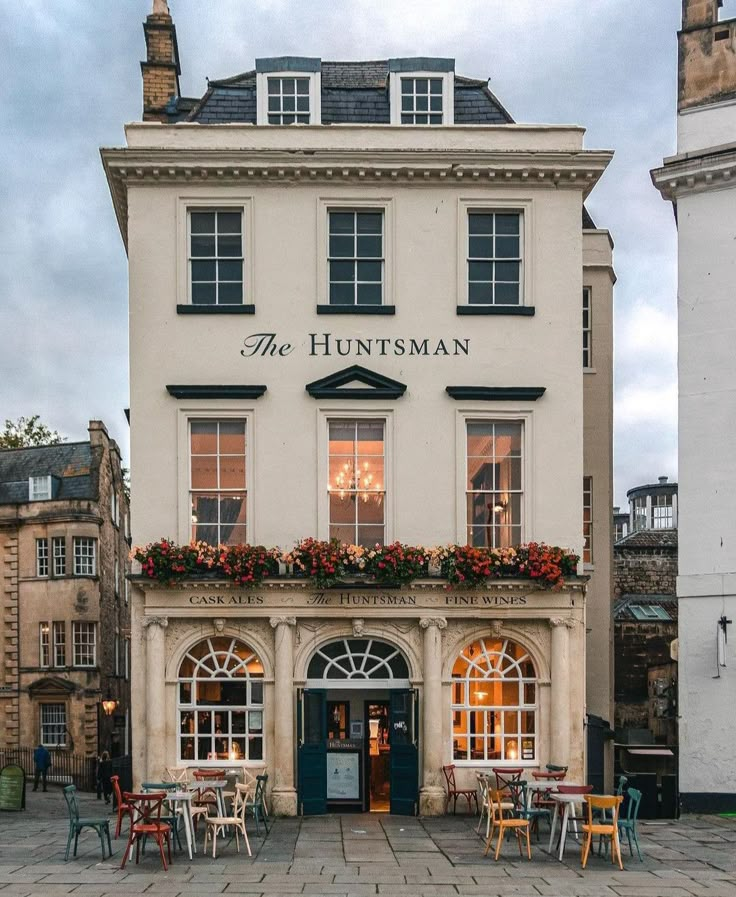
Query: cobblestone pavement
column 361, row 855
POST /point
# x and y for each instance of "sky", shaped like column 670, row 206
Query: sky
column 70, row 79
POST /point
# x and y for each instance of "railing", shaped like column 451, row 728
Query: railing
column 66, row 768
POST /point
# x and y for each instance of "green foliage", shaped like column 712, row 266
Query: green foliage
column 26, row 432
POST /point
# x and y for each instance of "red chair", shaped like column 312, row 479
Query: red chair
column 506, row 775
column 145, row 822
column 122, row 807
column 582, row 790
column 470, row 794
column 204, row 796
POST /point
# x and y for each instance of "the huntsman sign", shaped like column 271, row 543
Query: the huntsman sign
column 269, row 345
column 346, row 599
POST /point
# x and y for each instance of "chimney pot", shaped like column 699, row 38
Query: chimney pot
column 662, row 481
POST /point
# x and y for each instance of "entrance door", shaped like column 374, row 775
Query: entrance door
column 404, row 755
column 312, row 728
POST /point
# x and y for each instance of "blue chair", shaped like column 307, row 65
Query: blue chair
column 77, row 823
column 628, row 824
column 257, row 807
column 523, row 807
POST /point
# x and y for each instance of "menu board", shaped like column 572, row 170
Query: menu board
column 12, row 788
column 343, row 775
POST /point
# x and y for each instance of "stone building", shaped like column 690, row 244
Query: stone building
column 65, row 624
column 699, row 182
column 358, row 297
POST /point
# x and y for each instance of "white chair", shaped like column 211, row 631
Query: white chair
column 179, row 774
column 485, row 785
column 217, row 824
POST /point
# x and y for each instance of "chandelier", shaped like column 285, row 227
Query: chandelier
column 357, row 484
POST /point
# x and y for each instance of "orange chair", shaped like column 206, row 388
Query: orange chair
column 145, row 822
column 122, row 807
column 603, row 827
column 503, row 823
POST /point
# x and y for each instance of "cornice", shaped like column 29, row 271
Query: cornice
column 693, row 174
column 578, row 170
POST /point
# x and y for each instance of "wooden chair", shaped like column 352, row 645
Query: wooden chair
column 178, row 774
column 250, row 776
column 77, row 823
column 603, row 827
column 145, row 822
column 505, row 823
column 256, row 805
column 204, row 796
column 581, row 790
column 122, row 808
column 505, row 775
column 218, row 824
column 454, row 792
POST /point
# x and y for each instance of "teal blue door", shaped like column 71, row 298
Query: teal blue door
column 404, row 772
column 312, row 728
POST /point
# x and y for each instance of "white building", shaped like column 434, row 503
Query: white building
column 355, row 291
column 699, row 181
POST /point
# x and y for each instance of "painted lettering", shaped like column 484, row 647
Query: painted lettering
column 441, row 348
column 315, row 343
column 264, row 344
column 416, row 348
column 399, row 346
column 461, row 345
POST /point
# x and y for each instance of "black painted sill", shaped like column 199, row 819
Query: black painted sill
column 215, row 309
column 356, row 309
column 523, row 310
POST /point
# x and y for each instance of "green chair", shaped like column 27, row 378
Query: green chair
column 524, row 809
column 628, row 825
column 257, row 806
column 77, row 823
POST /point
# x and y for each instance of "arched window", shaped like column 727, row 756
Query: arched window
column 220, row 704
column 358, row 658
column 494, row 703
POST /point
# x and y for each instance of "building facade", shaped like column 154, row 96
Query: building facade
column 64, row 543
column 338, row 275
column 698, row 180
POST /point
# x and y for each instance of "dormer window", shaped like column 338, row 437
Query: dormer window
column 39, row 488
column 289, row 90
column 422, row 91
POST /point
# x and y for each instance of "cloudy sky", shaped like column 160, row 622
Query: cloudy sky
column 70, row 78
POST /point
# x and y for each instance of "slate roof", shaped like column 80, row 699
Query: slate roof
column 72, row 463
column 622, row 606
column 352, row 93
column 649, row 538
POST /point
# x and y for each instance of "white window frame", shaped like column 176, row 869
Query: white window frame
column 58, row 628
column 324, row 416
column 79, row 644
column 114, row 506
column 315, row 97
column 588, row 530
column 465, row 415
column 587, row 331
column 44, row 644
column 519, row 708
column 43, row 562
column 202, row 202
column 221, row 410
column 80, row 557
column 523, row 207
column 58, row 558
column 448, row 97
column 61, row 721
column 327, row 204
column 39, row 488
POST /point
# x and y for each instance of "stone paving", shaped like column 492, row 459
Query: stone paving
column 357, row 855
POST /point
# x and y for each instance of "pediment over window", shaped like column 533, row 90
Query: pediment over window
column 51, row 686
column 356, row 382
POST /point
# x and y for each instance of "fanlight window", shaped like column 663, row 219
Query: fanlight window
column 356, row 658
column 494, row 703
column 220, row 702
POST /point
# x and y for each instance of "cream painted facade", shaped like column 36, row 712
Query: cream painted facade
column 425, row 181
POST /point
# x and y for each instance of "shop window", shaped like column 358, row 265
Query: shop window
column 220, row 702
column 494, row 703
column 53, row 725
column 493, row 488
column 356, row 487
column 356, row 658
column 218, row 481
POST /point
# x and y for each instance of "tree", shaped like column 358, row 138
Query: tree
column 28, row 431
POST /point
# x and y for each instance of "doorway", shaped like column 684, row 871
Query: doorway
column 378, row 752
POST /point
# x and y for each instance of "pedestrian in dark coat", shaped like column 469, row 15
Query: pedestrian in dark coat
column 42, row 762
column 104, row 772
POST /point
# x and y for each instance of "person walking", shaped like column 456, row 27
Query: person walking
column 104, row 775
column 42, row 762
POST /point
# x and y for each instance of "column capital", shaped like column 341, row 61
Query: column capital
column 555, row 622
column 163, row 622
column 439, row 622
column 279, row 621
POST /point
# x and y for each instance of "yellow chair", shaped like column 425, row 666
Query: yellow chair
column 504, row 823
column 603, row 826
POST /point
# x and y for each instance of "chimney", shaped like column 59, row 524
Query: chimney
column 707, row 55
column 662, row 481
column 161, row 69
column 97, row 433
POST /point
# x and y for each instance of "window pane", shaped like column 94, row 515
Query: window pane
column 367, row 271
column 204, row 472
column 203, row 293
column 232, row 437
column 370, row 535
column 480, row 247
column 342, row 508
column 480, row 224
column 480, row 293
column 229, row 245
column 344, row 246
column 507, row 224
column 369, row 294
column 289, row 103
column 342, row 271
column 507, row 247
column 230, row 293
column 435, row 85
column 228, row 270
column 203, row 222
column 370, row 222
column 342, row 223
column 204, row 270
column 228, row 222
column 507, row 293
column 342, row 294
column 232, row 472
column 508, row 271
column 274, row 86
column 302, row 85
column 370, row 247
column 480, row 270
column 204, row 437
column 203, row 246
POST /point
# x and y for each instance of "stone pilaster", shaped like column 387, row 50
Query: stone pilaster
column 155, row 629
column 432, row 792
column 560, row 716
column 283, row 793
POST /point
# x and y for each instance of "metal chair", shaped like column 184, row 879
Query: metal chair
column 256, row 806
column 629, row 824
column 525, row 809
column 170, row 818
column 145, row 822
column 454, row 792
column 77, row 823
column 122, row 808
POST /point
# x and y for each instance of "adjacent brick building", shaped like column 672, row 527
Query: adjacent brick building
column 64, row 609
